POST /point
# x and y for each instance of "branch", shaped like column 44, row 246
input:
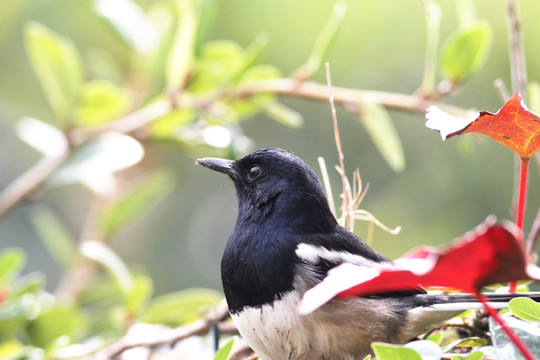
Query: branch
column 29, row 182
column 347, row 97
column 169, row 337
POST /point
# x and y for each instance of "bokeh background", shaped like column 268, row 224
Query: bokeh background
column 443, row 192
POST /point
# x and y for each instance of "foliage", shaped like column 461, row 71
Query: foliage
column 183, row 91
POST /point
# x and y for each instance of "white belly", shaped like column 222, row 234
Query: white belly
column 334, row 332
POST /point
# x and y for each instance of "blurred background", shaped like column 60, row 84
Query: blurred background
column 444, row 190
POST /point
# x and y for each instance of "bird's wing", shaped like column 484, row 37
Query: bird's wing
column 318, row 253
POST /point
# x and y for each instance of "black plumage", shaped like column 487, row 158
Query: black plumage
column 284, row 242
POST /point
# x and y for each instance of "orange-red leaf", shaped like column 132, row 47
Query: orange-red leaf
column 513, row 125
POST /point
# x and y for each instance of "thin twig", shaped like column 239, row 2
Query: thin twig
column 327, row 185
column 347, row 192
column 517, row 56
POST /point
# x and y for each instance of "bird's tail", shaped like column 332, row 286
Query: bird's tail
column 463, row 302
column 433, row 309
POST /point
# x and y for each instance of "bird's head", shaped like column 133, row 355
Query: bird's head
column 275, row 183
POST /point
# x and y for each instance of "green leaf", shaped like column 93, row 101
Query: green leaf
column 525, row 308
column 54, row 235
column 180, row 307
column 248, row 57
column 218, row 59
column 466, row 342
column 323, row 42
column 437, row 338
column 394, row 352
column 136, row 201
column 57, row 65
column 180, row 59
column 226, row 351
column 105, row 256
column 102, row 101
column 380, row 128
column 94, row 163
column 533, row 96
column 60, row 320
column 475, row 355
column 282, row 114
column 466, row 51
column 12, row 261
column 140, row 293
column 169, row 125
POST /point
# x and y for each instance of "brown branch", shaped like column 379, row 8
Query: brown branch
column 346, row 96
column 32, row 180
column 169, row 337
column 29, row 182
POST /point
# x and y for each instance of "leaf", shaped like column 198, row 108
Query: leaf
column 135, row 202
column 94, row 163
column 380, row 128
column 226, row 351
column 533, row 96
column 323, row 42
column 466, row 51
column 140, row 293
column 54, row 235
column 12, row 261
column 428, row 350
column 394, row 352
column 282, row 114
column 57, row 65
column 513, row 125
column 131, row 23
column 180, row 59
column 525, row 309
column 475, row 355
column 45, row 138
column 466, row 342
column 105, row 256
column 101, row 101
column 60, row 320
column 489, row 254
column 180, row 307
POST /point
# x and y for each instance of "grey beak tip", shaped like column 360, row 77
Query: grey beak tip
column 220, row 165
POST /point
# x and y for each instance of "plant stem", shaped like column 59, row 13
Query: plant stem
column 433, row 19
column 520, row 210
column 522, row 193
column 507, row 329
column 517, row 57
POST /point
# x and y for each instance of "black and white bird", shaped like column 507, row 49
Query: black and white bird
column 284, row 242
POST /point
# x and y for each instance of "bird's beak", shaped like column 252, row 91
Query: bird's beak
column 221, row 165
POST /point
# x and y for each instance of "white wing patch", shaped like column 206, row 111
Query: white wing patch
column 313, row 254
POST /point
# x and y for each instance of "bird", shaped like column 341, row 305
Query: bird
column 284, row 242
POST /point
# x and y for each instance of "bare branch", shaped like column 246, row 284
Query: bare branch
column 171, row 337
column 29, row 182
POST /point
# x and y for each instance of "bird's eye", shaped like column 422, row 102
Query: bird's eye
column 254, row 172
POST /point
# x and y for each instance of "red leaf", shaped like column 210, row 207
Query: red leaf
column 513, row 125
column 489, row 254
